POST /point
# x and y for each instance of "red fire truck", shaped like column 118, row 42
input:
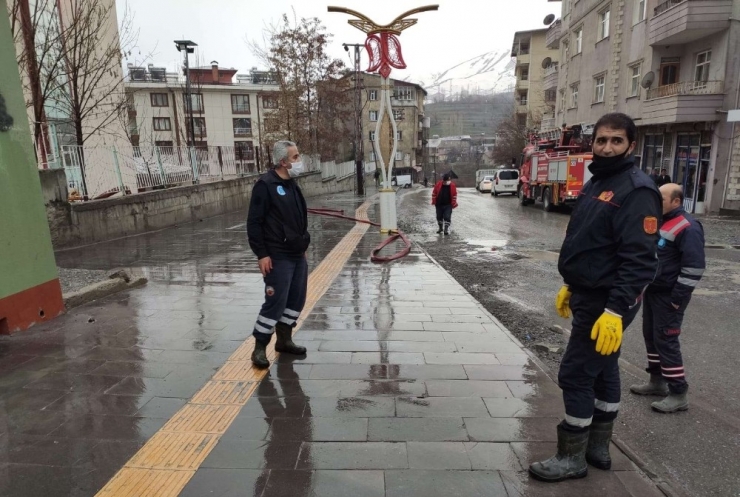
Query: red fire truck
column 555, row 167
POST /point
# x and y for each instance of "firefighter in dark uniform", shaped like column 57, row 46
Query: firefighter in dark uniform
column 277, row 227
column 607, row 259
column 681, row 255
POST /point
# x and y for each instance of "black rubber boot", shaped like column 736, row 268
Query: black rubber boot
column 284, row 343
column 674, row 402
column 656, row 386
column 440, row 228
column 597, row 451
column 259, row 356
column 447, row 228
column 569, row 462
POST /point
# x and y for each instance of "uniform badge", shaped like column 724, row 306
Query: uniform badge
column 606, row 196
column 661, row 243
column 650, row 225
column 280, row 190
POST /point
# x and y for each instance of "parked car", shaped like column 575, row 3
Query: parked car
column 485, row 185
column 505, row 181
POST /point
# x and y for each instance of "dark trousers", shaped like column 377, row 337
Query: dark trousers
column 285, row 295
column 444, row 214
column 589, row 380
column 661, row 326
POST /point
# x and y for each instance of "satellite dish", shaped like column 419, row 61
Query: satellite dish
column 548, row 19
column 647, row 80
column 546, row 62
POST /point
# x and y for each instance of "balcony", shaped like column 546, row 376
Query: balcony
column 523, row 57
column 552, row 38
column 240, row 132
column 522, row 84
column 687, row 101
column 521, row 108
column 551, row 77
column 676, row 22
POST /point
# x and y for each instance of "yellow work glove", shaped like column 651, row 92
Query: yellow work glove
column 562, row 302
column 607, row 332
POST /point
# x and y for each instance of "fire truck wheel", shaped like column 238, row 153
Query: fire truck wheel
column 547, row 201
column 522, row 197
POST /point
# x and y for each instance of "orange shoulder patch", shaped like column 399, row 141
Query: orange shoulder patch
column 650, row 225
column 606, row 196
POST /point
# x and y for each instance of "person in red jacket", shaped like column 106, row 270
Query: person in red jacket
column 444, row 198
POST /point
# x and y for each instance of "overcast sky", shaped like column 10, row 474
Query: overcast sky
column 459, row 30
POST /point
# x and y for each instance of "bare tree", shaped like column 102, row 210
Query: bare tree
column 512, row 136
column 72, row 62
column 312, row 92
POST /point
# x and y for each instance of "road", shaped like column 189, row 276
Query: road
column 506, row 256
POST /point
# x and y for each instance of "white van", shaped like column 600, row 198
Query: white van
column 505, row 181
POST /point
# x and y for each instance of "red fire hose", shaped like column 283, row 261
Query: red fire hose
column 374, row 257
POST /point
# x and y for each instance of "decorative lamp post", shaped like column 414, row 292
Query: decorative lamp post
column 384, row 48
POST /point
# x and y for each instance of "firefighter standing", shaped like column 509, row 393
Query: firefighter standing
column 277, row 227
column 681, row 255
column 607, row 259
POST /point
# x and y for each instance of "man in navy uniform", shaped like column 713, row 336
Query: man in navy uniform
column 606, row 261
column 681, row 254
column 277, row 228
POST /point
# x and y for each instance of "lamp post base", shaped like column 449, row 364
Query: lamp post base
column 388, row 221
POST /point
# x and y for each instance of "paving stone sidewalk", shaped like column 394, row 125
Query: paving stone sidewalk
column 409, row 387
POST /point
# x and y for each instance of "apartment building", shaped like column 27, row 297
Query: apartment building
column 407, row 101
column 535, row 64
column 227, row 109
column 669, row 65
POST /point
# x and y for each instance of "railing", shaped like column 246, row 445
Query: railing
column 240, row 108
column 665, row 6
column 137, row 169
column 339, row 171
column 551, row 69
column 242, row 131
column 686, row 88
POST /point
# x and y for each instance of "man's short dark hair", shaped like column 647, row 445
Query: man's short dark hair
column 664, row 170
column 445, row 177
column 617, row 120
column 677, row 193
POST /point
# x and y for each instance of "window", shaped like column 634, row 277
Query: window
column 243, row 151
column 240, row 104
column 399, row 135
column 565, row 52
column 524, row 73
column 640, row 10
column 399, row 155
column 398, row 114
column 160, row 100
column 635, row 80
column 502, row 175
column 702, row 66
column 270, row 103
column 196, row 100
column 373, row 95
column 599, row 89
column 242, row 126
column 200, row 126
column 579, row 40
column 523, row 98
column 574, row 96
column 604, row 24
column 372, row 136
column 373, row 115
column 372, row 156
column 162, row 124
column 562, row 100
column 403, row 94
column 165, row 146
column 652, row 156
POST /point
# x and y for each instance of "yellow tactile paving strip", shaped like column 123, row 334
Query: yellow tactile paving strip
column 163, row 466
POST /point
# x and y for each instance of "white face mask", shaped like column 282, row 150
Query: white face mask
column 296, row 169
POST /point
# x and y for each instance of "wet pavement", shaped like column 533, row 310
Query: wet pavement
column 506, row 256
column 410, row 386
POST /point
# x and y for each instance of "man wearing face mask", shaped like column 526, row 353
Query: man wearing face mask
column 444, row 198
column 607, row 259
column 277, row 228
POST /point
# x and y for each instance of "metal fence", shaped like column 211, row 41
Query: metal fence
column 108, row 171
column 339, row 171
column 686, row 88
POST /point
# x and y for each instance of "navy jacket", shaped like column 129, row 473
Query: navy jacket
column 681, row 254
column 277, row 223
column 610, row 244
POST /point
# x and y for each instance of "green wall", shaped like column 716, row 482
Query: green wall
column 26, row 254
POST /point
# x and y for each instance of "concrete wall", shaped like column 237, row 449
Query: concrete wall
column 99, row 220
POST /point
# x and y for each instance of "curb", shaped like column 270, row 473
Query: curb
column 119, row 280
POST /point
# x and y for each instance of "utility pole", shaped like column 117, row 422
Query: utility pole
column 359, row 141
column 187, row 46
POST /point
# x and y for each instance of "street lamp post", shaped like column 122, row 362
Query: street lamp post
column 188, row 47
column 384, row 48
column 359, row 139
